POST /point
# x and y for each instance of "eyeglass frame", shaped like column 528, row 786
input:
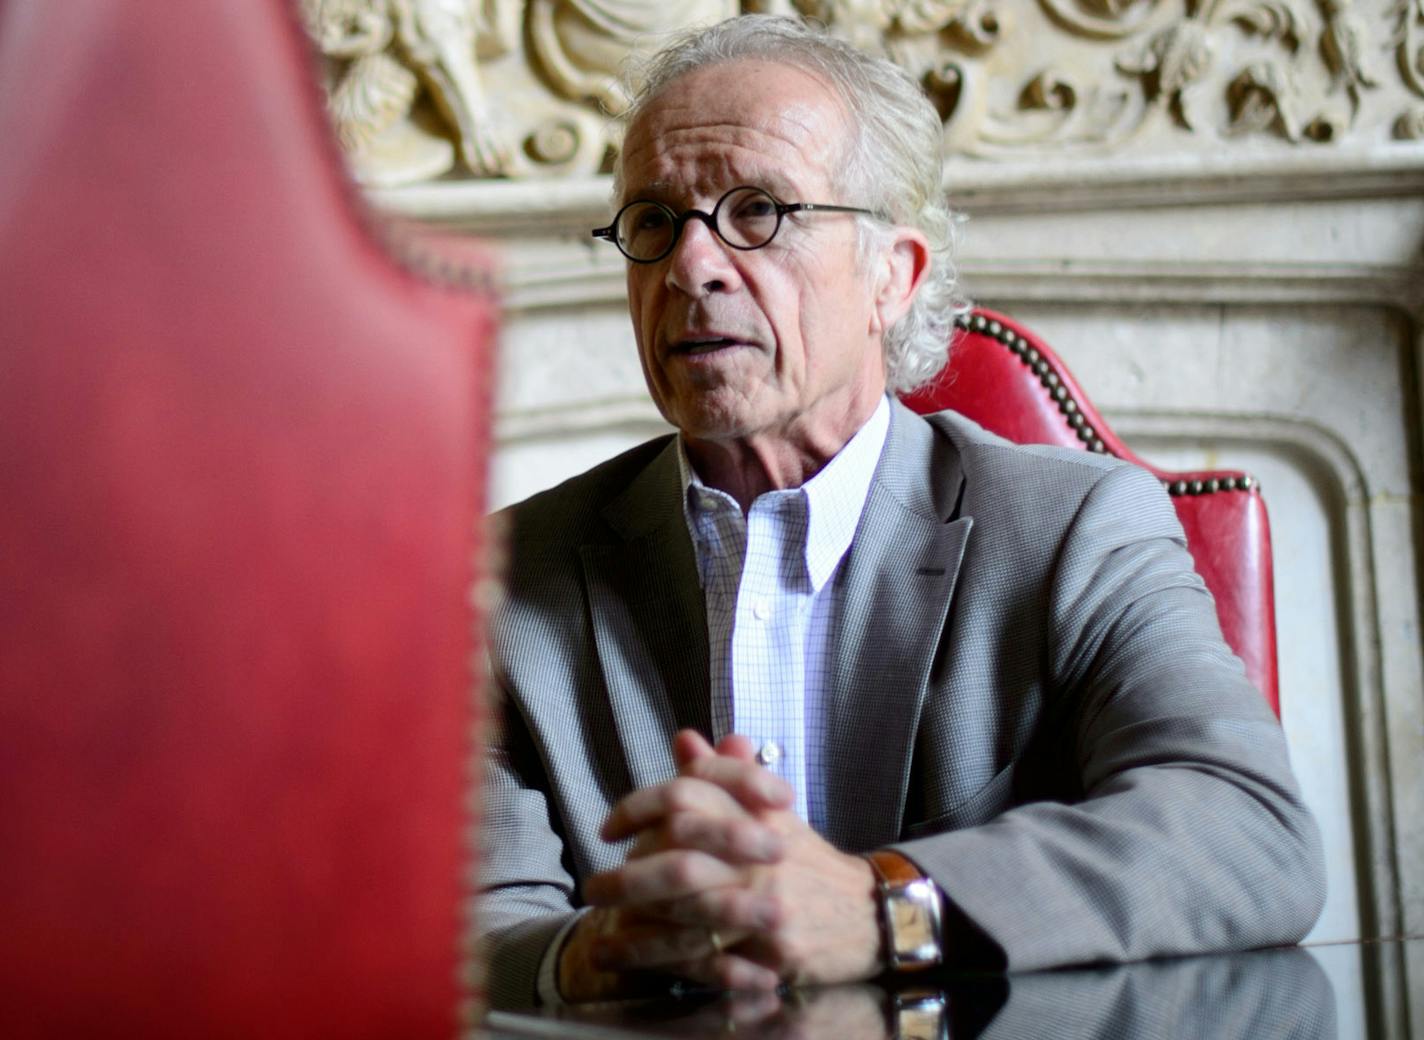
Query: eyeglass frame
column 610, row 232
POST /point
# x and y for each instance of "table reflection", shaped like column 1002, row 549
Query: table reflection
column 1274, row 993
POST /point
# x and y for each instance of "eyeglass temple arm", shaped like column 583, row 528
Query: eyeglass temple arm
column 797, row 207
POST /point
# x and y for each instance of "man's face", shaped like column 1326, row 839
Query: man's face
column 778, row 343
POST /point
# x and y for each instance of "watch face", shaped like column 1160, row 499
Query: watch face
column 913, row 912
column 911, row 920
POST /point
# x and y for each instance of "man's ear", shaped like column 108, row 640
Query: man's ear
column 901, row 267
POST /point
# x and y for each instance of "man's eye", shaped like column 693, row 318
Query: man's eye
column 755, row 209
column 649, row 219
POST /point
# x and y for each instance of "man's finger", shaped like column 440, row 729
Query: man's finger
column 738, row 839
column 641, row 948
column 659, row 878
column 753, row 787
column 688, row 952
column 734, row 745
column 650, row 806
column 731, row 909
column 689, row 745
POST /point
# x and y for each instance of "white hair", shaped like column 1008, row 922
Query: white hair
column 894, row 164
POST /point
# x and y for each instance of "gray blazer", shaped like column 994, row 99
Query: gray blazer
column 1032, row 700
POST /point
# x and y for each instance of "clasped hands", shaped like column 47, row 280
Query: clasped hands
column 724, row 886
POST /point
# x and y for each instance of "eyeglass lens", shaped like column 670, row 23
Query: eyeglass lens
column 745, row 218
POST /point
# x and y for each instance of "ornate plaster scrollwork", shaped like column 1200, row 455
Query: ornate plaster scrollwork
column 1264, row 96
column 397, row 69
column 972, row 27
column 1410, row 125
column 414, row 84
column 1408, row 38
column 886, row 26
column 1298, row 70
column 1348, row 48
column 523, row 88
column 582, row 44
column 1101, row 19
column 1173, row 60
column 931, row 39
column 862, row 22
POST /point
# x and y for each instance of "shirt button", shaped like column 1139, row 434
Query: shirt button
column 761, row 609
column 770, row 753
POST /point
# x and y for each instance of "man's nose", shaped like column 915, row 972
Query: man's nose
column 700, row 262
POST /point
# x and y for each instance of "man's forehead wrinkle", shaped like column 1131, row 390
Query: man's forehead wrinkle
column 793, row 121
column 708, row 157
column 807, row 119
column 712, row 175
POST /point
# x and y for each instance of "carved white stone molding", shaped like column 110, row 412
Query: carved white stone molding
column 1331, row 464
column 1230, row 234
column 570, row 208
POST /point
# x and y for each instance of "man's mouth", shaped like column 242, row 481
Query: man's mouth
column 704, row 345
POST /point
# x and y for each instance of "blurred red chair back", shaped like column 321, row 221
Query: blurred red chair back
column 1009, row 381
column 242, row 475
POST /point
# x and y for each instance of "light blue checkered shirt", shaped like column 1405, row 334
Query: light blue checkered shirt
column 771, row 605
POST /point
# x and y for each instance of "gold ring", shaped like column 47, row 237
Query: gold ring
column 715, row 940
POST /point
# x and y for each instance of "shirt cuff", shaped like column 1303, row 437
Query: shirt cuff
column 547, row 985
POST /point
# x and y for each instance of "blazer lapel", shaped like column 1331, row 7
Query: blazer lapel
column 649, row 621
column 899, row 578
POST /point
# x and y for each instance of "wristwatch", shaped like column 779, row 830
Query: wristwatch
column 910, row 913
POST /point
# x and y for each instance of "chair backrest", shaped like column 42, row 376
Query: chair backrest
column 242, row 476
column 1009, row 381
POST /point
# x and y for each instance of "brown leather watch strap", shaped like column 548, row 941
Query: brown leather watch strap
column 892, row 868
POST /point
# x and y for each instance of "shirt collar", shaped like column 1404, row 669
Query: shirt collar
column 835, row 497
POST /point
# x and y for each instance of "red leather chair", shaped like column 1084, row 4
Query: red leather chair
column 1008, row 380
column 242, row 459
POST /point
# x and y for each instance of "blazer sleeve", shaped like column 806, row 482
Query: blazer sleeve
column 527, row 888
column 1186, row 832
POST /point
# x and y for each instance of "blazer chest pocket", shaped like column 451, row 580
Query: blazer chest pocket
column 983, row 805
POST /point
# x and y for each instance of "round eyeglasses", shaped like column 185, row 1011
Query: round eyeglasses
column 744, row 218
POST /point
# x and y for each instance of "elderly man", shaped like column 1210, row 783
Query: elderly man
column 818, row 688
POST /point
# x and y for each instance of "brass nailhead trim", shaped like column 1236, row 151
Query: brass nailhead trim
column 1074, row 417
column 431, row 265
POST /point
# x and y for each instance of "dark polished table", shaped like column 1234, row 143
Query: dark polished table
column 1367, row 989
